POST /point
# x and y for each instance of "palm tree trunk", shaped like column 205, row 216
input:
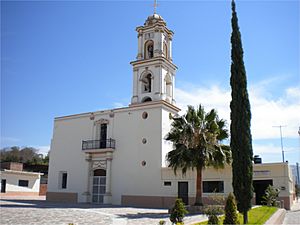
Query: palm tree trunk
column 199, row 187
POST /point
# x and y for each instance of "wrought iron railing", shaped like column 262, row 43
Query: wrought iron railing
column 98, row 144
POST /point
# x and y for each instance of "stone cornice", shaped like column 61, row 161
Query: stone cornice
column 156, row 26
column 158, row 59
column 124, row 109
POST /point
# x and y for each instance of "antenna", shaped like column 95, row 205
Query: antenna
column 155, row 6
column 280, row 126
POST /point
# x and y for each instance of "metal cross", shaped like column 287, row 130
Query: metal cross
column 155, row 6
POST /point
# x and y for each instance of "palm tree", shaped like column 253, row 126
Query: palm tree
column 197, row 141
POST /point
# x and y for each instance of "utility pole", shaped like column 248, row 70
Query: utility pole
column 297, row 164
column 280, row 128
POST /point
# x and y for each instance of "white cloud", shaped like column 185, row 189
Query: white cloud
column 43, row 149
column 119, row 105
column 266, row 112
column 271, row 148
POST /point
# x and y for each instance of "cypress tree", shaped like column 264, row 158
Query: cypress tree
column 241, row 141
column 231, row 215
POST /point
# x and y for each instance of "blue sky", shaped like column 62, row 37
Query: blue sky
column 66, row 57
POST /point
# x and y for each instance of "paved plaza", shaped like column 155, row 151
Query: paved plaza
column 293, row 216
column 41, row 212
column 27, row 211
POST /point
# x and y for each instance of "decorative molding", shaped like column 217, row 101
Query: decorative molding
column 99, row 165
column 101, row 121
column 92, row 116
column 112, row 114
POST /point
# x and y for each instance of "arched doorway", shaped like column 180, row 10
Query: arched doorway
column 99, row 184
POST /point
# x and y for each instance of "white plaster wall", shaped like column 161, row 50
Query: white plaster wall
column 279, row 173
column 67, row 155
column 172, row 191
column 12, row 182
column 128, row 128
column 129, row 177
column 166, row 127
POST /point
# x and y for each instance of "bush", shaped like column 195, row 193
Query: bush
column 162, row 222
column 231, row 214
column 178, row 212
column 270, row 196
column 212, row 211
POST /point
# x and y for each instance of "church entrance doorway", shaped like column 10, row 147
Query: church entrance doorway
column 99, row 183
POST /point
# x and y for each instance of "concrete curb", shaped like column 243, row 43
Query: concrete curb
column 277, row 217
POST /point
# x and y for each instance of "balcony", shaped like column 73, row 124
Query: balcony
column 90, row 146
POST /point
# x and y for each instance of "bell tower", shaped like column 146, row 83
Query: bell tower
column 153, row 69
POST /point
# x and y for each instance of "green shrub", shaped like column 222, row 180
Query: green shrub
column 162, row 222
column 178, row 211
column 231, row 214
column 270, row 196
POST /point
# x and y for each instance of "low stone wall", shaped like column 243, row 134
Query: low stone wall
column 61, row 197
column 43, row 189
column 277, row 217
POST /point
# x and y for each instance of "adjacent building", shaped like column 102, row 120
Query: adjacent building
column 16, row 182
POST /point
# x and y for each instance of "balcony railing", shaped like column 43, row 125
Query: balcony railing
column 98, row 144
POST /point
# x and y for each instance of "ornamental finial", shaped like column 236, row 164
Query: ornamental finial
column 155, row 6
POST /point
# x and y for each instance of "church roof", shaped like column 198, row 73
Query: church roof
column 152, row 19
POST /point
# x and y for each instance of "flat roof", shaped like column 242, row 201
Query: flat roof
column 21, row 172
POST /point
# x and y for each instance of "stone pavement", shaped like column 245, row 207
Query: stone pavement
column 24, row 211
column 293, row 216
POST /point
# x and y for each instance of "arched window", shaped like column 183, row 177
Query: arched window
column 147, row 99
column 168, row 83
column 165, row 50
column 149, row 48
column 99, row 172
column 146, row 83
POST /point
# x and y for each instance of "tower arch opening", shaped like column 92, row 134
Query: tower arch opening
column 168, row 86
column 146, row 99
column 149, row 49
column 165, row 50
column 146, row 83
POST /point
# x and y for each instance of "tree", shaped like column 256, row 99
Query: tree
column 271, row 195
column 231, row 215
column 241, row 141
column 178, row 212
column 197, row 141
column 27, row 155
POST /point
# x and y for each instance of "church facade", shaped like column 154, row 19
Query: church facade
column 118, row 156
column 115, row 156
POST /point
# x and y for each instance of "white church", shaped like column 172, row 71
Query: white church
column 118, row 156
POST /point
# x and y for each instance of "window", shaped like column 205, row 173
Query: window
column 145, row 115
column 23, row 183
column 64, row 177
column 167, row 183
column 213, row 186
